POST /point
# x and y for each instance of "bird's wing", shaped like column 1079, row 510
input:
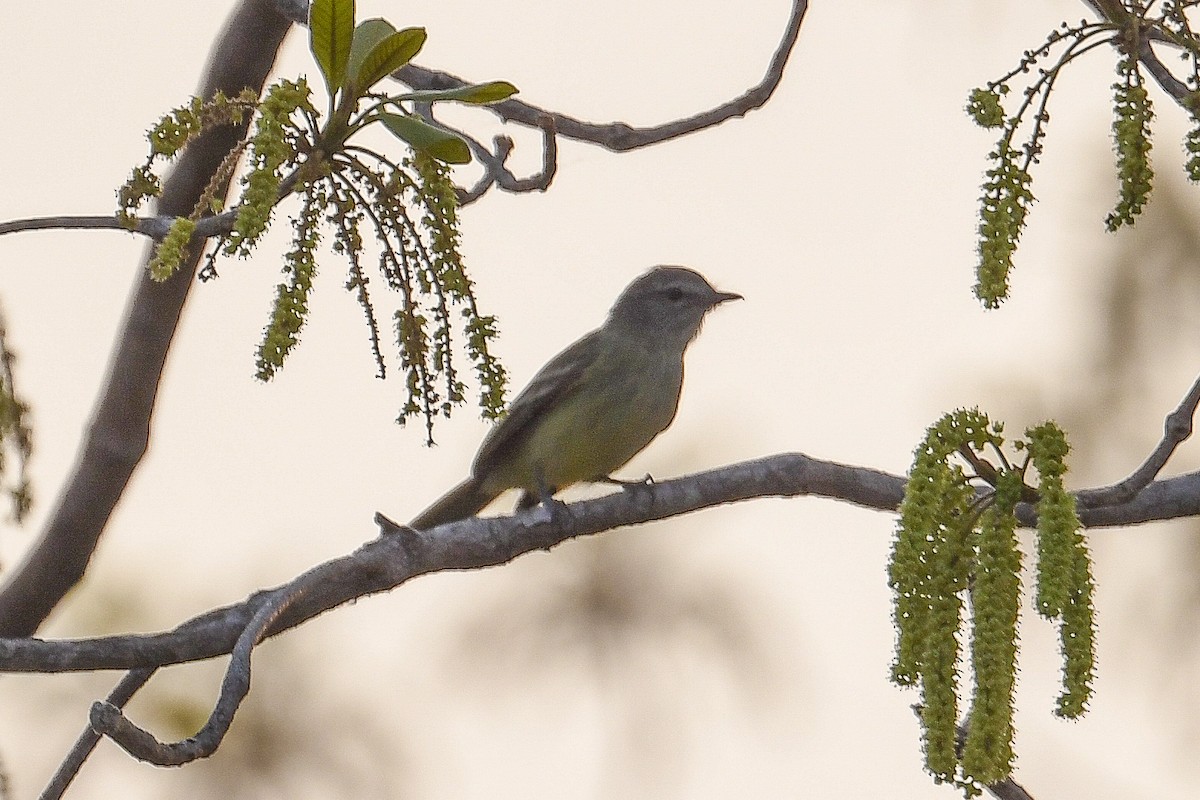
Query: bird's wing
column 561, row 377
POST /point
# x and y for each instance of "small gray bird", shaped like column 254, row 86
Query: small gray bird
column 596, row 404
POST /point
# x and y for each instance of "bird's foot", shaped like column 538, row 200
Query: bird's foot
column 550, row 511
column 631, row 483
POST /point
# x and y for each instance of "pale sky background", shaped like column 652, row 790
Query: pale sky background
column 844, row 212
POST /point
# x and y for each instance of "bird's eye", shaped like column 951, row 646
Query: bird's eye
column 674, row 294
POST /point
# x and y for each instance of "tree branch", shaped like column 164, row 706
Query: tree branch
column 153, row 227
column 1174, row 87
column 1115, row 12
column 395, row 557
column 107, row 718
column 495, row 166
column 400, row 554
column 87, row 741
column 1176, row 429
column 120, row 430
column 620, row 136
column 615, row 136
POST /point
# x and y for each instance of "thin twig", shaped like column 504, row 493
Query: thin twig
column 1176, row 429
column 617, row 136
column 108, row 719
column 539, row 181
column 87, row 741
column 486, row 180
column 986, row 471
column 620, row 136
column 495, row 165
column 983, row 468
column 1176, row 88
column 1007, row 789
column 1115, row 12
column 60, row 223
column 153, row 227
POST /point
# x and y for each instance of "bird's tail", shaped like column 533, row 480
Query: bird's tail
column 465, row 500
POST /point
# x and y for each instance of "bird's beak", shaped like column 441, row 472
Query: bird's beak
column 725, row 297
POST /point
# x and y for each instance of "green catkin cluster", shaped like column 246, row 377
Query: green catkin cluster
column 987, row 755
column 985, row 108
column 276, row 143
column 1191, row 144
column 1123, row 27
column 1132, row 114
column 172, row 250
column 169, row 136
column 181, row 126
column 930, row 570
column 290, row 309
column 1004, row 206
column 954, row 542
column 273, row 145
column 1064, row 575
column 409, row 204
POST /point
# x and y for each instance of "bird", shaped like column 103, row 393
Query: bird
column 595, row 405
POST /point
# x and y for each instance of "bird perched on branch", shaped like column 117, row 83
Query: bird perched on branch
column 596, row 404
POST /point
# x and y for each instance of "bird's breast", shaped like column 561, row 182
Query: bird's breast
column 622, row 403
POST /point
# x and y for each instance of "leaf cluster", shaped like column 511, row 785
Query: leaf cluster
column 399, row 212
column 955, row 572
column 1007, row 193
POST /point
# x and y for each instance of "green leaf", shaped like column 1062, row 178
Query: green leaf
column 369, row 33
column 331, row 31
column 440, row 144
column 476, row 93
column 389, row 55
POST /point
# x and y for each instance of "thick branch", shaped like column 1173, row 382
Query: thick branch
column 392, row 559
column 120, row 430
column 396, row 557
